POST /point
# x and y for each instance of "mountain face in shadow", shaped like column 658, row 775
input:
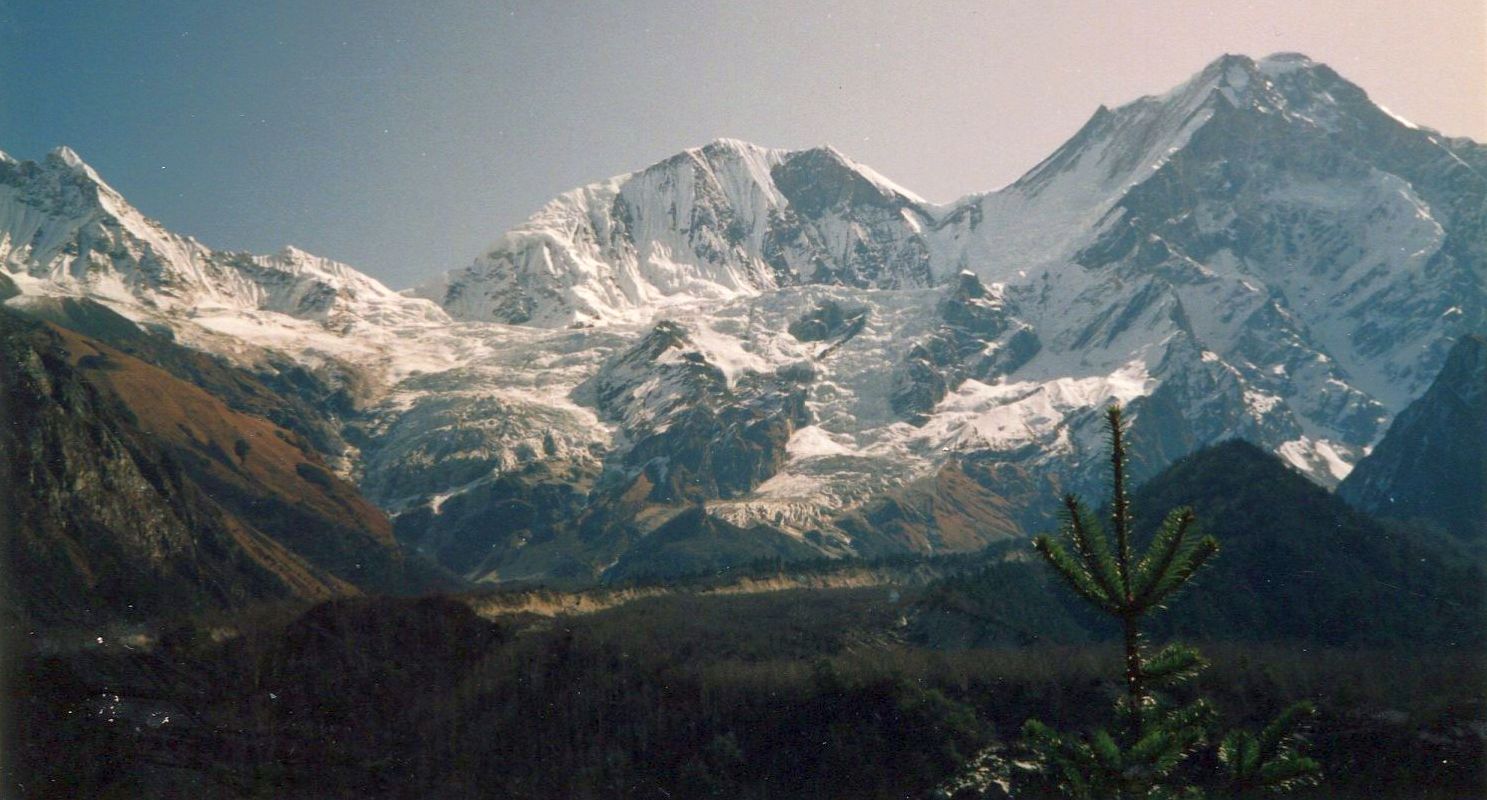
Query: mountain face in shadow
column 1432, row 463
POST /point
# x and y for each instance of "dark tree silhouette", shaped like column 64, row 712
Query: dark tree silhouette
column 1155, row 737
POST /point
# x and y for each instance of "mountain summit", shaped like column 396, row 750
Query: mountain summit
column 713, row 222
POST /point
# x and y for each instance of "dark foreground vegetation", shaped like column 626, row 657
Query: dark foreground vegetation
column 793, row 694
column 916, row 688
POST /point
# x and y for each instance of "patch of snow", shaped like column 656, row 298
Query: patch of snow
column 1308, row 455
column 812, row 442
column 1401, row 120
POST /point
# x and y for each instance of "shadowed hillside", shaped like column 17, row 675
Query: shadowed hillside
column 135, row 494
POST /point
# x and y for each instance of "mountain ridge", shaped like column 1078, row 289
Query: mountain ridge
column 714, row 221
column 1260, row 253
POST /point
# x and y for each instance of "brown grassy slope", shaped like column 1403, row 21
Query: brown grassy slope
column 307, row 402
column 99, row 522
column 259, row 472
column 956, row 510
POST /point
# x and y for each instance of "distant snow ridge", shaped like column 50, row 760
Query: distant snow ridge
column 63, row 230
column 1263, row 224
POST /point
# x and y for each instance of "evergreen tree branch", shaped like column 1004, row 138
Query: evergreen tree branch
column 1283, row 727
column 1091, row 545
column 1073, row 573
column 1163, row 551
column 1172, row 665
column 1288, row 773
column 1106, row 751
column 1184, row 566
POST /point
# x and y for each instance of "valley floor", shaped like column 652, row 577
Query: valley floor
column 795, row 692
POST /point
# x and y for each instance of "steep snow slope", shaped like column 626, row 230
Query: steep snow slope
column 725, row 220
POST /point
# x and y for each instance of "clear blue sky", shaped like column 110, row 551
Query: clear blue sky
column 404, row 137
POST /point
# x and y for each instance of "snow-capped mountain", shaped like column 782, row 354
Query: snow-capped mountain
column 63, row 230
column 795, row 342
column 725, row 220
column 1286, row 260
column 1262, row 234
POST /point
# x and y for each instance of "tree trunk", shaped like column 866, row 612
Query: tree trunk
column 1136, row 694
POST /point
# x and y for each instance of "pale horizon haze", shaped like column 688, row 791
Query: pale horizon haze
column 403, row 139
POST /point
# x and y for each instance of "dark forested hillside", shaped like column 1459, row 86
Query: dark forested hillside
column 1296, row 563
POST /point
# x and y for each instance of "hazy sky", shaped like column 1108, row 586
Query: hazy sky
column 404, row 137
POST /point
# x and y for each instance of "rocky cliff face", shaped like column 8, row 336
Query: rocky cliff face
column 980, row 338
column 697, row 436
column 1432, row 463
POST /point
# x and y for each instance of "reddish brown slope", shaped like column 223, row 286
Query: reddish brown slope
column 961, row 508
column 132, row 493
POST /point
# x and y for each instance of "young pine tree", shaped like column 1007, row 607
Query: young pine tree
column 1154, row 738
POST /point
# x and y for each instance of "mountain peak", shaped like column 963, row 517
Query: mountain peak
column 1287, row 84
column 734, row 145
column 1118, row 147
column 1285, row 62
column 829, row 154
column 723, row 220
column 68, row 158
column 1273, row 65
column 1271, row 81
column 1230, row 76
column 89, row 240
column 64, row 160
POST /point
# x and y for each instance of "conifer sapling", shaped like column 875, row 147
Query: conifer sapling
column 1155, row 737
